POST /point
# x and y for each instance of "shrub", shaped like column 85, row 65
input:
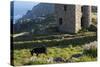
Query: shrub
column 91, row 49
column 92, row 28
column 94, row 20
column 83, row 30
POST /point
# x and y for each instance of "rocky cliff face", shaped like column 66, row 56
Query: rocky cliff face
column 39, row 10
column 40, row 17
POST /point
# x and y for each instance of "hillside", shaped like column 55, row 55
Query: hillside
column 41, row 9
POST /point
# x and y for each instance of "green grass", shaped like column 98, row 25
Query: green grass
column 23, row 56
column 31, row 37
column 19, row 56
column 51, row 43
column 55, row 48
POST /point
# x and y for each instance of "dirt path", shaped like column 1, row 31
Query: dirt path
column 20, row 34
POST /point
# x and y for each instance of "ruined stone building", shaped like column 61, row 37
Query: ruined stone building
column 71, row 18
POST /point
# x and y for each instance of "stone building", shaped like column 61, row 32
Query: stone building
column 86, row 16
column 71, row 18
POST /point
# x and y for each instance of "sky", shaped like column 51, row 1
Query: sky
column 21, row 7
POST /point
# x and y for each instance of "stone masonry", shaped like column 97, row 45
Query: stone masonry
column 86, row 17
column 71, row 18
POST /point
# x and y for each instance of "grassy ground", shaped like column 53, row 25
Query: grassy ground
column 62, row 50
column 23, row 56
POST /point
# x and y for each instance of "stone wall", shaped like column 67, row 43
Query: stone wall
column 78, row 15
column 86, row 16
column 71, row 18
